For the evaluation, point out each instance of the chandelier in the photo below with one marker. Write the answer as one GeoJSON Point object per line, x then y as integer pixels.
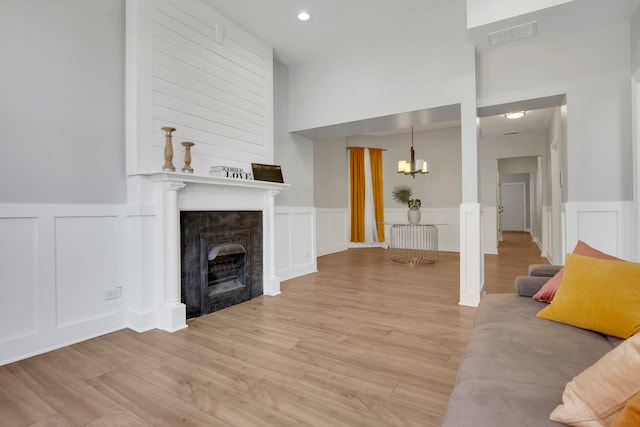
{"type": "Point", "coordinates": [413, 166]}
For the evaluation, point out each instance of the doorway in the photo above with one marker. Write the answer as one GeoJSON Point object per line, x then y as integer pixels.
{"type": "Point", "coordinates": [513, 213]}
{"type": "Point", "coordinates": [519, 195]}
{"type": "Point", "coordinates": [539, 134]}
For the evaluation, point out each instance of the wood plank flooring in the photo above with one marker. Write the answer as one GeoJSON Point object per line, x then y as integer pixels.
{"type": "Point", "coordinates": [363, 342]}
{"type": "Point", "coordinates": [516, 252]}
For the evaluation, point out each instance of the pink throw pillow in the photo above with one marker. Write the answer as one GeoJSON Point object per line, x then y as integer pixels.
{"type": "Point", "coordinates": [549, 289]}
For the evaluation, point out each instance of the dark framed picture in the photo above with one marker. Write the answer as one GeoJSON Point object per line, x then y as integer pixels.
{"type": "Point", "coordinates": [271, 173]}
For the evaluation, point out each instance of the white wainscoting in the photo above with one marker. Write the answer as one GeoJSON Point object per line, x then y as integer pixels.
{"type": "Point", "coordinates": [143, 263]}
{"type": "Point", "coordinates": [447, 220]}
{"type": "Point", "coordinates": [332, 227]}
{"type": "Point", "coordinates": [295, 235]}
{"type": "Point", "coordinates": [57, 262]}
{"type": "Point", "coordinates": [606, 226]}
{"type": "Point", "coordinates": [332, 230]}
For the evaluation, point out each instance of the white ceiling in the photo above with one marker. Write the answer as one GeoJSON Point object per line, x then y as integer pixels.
{"type": "Point", "coordinates": [335, 25]}
{"type": "Point", "coordinates": [343, 25]}
{"type": "Point", "coordinates": [339, 26]}
{"type": "Point", "coordinates": [535, 121]}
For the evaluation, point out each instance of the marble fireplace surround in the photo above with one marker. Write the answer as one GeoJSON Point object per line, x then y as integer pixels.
{"type": "Point", "coordinates": [183, 192]}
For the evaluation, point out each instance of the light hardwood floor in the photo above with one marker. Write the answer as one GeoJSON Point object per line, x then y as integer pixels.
{"type": "Point", "coordinates": [363, 342]}
{"type": "Point", "coordinates": [517, 251]}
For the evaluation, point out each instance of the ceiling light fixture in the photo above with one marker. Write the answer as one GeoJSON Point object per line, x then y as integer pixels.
{"type": "Point", "coordinates": [413, 166]}
{"type": "Point", "coordinates": [304, 16]}
{"type": "Point", "coordinates": [515, 115]}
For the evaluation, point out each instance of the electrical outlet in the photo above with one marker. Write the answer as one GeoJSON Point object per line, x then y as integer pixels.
{"type": "Point", "coordinates": [113, 293]}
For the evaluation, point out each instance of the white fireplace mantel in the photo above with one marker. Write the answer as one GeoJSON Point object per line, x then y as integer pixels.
{"type": "Point", "coordinates": [184, 192]}
{"type": "Point", "coordinates": [216, 181]}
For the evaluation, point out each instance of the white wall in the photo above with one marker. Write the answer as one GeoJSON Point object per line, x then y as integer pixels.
{"type": "Point", "coordinates": [420, 71]}
{"type": "Point", "coordinates": [331, 173]}
{"type": "Point", "coordinates": [592, 68]}
{"type": "Point", "coordinates": [556, 189]}
{"type": "Point", "coordinates": [62, 85]}
{"type": "Point", "coordinates": [190, 68]}
{"type": "Point", "coordinates": [635, 41]}
{"type": "Point", "coordinates": [505, 147]}
{"type": "Point", "coordinates": [294, 153]}
{"type": "Point", "coordinates": [442, 186]}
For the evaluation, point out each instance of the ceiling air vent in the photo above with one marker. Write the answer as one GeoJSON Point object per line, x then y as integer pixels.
{"type": "Point", "coordinates": [511, 133]}
{"type": "Point", "coordinates": [518, 32]}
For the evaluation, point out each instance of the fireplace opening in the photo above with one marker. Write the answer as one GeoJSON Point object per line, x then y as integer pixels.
{"type": "Point", "coordinates": [226, 268]}
{"type": "Point", "coordinates": [221, 259]}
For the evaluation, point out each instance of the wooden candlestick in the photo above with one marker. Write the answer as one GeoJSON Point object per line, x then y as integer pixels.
{"type": "Point", "coordinates": [187, 156]}
{"type": "Point", "coordinates": [168, 150]}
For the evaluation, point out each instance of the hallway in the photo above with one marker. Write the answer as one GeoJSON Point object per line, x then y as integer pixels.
{"type": "Point", "coordinates": [515, 253]}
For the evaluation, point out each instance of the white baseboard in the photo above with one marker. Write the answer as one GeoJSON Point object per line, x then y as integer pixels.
{"type": "Point", "coordinates": [142, 322]}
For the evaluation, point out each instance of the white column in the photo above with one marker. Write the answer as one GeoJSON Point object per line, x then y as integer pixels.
{"type": "Point", "coordinates": [271, 282]}
{"type": "Point", "coordinates": [173, 315]}
{"type": "Point", "coordinates": [471, 258]}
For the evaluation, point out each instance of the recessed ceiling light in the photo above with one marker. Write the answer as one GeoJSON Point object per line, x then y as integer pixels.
{"type": "Point", "coordinates": [515, 115]}
{"type": "Point", "coordinates": [304, 16]}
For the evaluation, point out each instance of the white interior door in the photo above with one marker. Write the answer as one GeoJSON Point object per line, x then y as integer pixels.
{"type": "Point", "coordinates": [514, 206]}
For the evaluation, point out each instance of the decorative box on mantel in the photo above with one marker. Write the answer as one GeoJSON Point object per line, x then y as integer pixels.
{"type": "Point", "coordinates": [185, 192]}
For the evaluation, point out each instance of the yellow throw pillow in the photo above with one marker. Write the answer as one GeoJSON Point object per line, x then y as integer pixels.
{"type": "Point", "coordinates": [597, 395]}
{"type": "Point", "coordinates": [597, 294]}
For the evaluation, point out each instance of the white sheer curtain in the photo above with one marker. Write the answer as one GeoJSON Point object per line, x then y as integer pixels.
{"type": "Point", "coordinates": [370, 229]}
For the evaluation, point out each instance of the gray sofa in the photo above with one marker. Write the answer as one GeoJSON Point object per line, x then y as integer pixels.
{"type": "Point", "coordinates": [516, 365]}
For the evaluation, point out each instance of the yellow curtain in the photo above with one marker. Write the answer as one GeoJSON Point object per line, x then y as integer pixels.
{"type": "Point", "coordinates": [356, 179]}
{"type": "Point", "coordinates": [375, 155]}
